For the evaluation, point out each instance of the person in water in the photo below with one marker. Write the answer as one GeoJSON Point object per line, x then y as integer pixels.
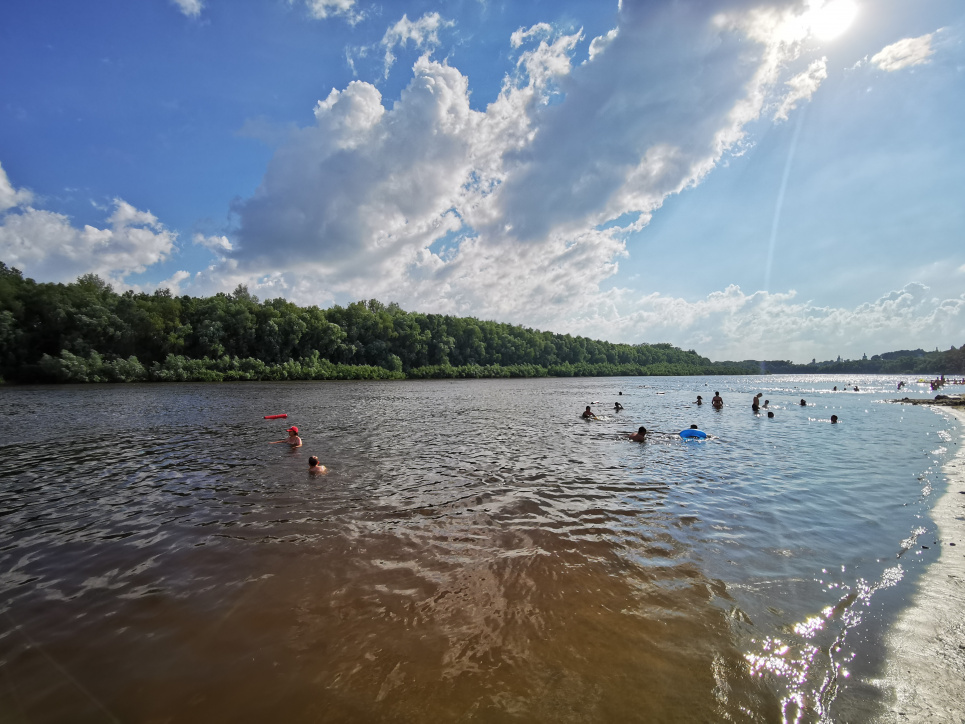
{"type": "Point", "coordinates": [756, 401]}
{"type": "Point", "coordinates": [718, 401]}
{"type": "Point", "coordinates": [803, 402]}
{"type": "Point", "coordinates": [700, 400]}
{"type": "Point", "coordinates": [314, 467]}
{"type": "Point", "coordinates": [834, 419]}
{"type": "Point", "coordinates": [588, 413]}
{"type": "Point", "coordinates": [617, 407]}
{"type": "Point", "coordinates": [766, 403]}
{"type": "Point", "coordinates": [640, 435]}
{"type": "Point", "coordinates": [769, 413]}
{"type": "Point", "coordinates": [293, 440]}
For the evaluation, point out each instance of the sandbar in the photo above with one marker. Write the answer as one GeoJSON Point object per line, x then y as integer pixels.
{"type": "Point", "coordinates": [925, 675]}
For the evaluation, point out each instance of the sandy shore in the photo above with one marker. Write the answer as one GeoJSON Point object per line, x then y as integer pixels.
{"type": "Point", "coordinates": [925, 676]}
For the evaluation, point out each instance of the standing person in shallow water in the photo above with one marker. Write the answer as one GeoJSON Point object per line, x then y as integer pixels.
{"type": "Point", "coordinates": [718, 401]}
{"type": "Point", "coordinates": [293, 440]}
{"type": "Point", "coordinates": [756, 401]}
{"type": "Point", "coordinates": [588, 413]}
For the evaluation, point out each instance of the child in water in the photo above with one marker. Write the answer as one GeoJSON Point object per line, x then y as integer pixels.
{"type": "Point", "coordinates": [314, 467]}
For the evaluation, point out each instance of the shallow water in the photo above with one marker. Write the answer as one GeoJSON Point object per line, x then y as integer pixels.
{"type": "Point", "coordinates": [476, 552]}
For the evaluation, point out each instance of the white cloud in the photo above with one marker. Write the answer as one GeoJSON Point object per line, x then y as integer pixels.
{"type": "Point", "coordinates": [732, 325]}
{"type": "Point", "coordinates": [904, 54]}
{"type": "Point", "coordinates": [191, 8]}
{"type": "Point", "coordinates": [521, 211]}
{"type": "Point", "coordinates": [322, 9]}
{"type": "Point", "coordinates": [218, 244]}
{"type": "Point", "coordinates": [802, 87]}
{"type": "Point", "coordinates": [423, 33]}
{"type": "Point", "coordinates": [9, 196]}
{"type": "Point", "coordinates": [540, 30]}
{"type": "Point", "coordinates": [45, 245]}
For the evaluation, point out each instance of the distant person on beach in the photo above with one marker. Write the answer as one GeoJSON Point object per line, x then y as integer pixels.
{"type": "Point", "coordinates": [640, 435]}
{"type": "Point", "coordinates": [770, 414]}
{"type": "Point", "coordinates": [617, 407]}
{"type": "Point", "coordinates": [588, 413]}
{"type": "Point", "coordinates": [700, 400]}
{"type": "Point", "coordinates": [314, 467]}
{"type": "Point", "coordinates": [834, 419]}
{"type": "Point", "coordinates": [803, 402]}
{"type": "Point", "coordinates": [718, 401]}
{"type": "Point", "coordinates": [292, 438]}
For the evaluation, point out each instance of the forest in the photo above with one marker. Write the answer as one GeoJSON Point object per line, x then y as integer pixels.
{"type": "Point", "coordinates": [900, 362]}
{"type": "Point", "coordinates": [85, 332]}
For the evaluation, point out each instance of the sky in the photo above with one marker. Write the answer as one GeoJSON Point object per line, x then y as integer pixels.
{"type": "Point", "coordinates": [750, 179]}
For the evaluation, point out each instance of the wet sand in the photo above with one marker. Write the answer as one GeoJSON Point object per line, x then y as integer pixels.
{"type": "Point", "coordinates": [926, 652]}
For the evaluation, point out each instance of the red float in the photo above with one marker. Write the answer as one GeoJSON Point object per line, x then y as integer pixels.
{"type": "Point", "coordinates": [275, 417]}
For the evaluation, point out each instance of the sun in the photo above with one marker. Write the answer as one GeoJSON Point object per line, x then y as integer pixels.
{"type": "Point", "coordinates": [831, 18]}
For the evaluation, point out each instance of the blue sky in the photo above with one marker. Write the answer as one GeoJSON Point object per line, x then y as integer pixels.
{"type": "Point", "coordinates": [750, 179]}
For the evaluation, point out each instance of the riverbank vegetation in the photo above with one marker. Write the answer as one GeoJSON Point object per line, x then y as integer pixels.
{"type": "Point", "coordinates": [85, 332]}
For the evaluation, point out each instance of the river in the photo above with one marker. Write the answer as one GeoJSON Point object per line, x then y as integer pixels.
{"type": "Point", "coordinates": [476, 552]}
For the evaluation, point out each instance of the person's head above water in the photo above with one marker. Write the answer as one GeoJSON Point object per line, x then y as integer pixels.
{"type": "Point", "coordinates": [312, 461]}
{"type": "Point", "coordinates": [693, 427]}
{"type": "Point", "coordinates": [834, 419]}
{"type": "Point", "coordinates": [293, 430]}
{"type": "Point", "coordinates": [770, 414]}
{"type": "Point", "coordinates": [641, 430]}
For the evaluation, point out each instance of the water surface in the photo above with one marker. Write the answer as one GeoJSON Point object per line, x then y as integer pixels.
{"type": "Point", "coordinates": [477, 552]}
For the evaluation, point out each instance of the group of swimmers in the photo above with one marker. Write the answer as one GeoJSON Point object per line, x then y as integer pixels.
{"type": "Point", "coordinates": [293, 441]}
{"type": "Point", "coordinates": [717, 402]}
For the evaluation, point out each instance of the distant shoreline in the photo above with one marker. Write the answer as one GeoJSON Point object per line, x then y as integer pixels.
{"type": "Point", "coordinates": [926, 649]}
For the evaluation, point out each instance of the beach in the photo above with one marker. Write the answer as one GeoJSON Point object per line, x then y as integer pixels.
{"type": "Point", "coordinates": [926, 658]}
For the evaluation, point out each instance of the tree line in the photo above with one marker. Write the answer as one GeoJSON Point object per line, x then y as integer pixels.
{"type": "Point", "coordinates": [86, 332]}
{"type": "Point", "coordinates": [899, 362]}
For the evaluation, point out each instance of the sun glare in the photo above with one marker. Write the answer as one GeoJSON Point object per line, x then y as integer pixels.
{"type": "Point", "coordinates": [830, 19]}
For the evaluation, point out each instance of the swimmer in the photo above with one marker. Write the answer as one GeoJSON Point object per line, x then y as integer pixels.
{"type": "Point", "coordinates": [314, 467]}
{"type": "Point", "coordinates": [588, 413]}
{"type": "Point", "coordinates": [835, 389]}
{"type": "Point", "coordinates": [700, 400]}
{"type": "Point", "coordinates": [770, 414]}
{"type": "Point", "coordinates": [766, 403]}
{"type": "Point", "coordinates": [617, 407]}
{"type": "Point", "coordinates": [834, 419]}
{"type": "Point", "coordinates": [718, 401]}
{"type": "Point", "coordinates": [694, 427]}
{"type": "Point", "coordinates": [855, 388]}
{"type": "Point", "coordinates": [640, 435]}
{"type": "Point", "coordinates": [292, 438]}
{"type": "Point", "coordinates": [803, 402]}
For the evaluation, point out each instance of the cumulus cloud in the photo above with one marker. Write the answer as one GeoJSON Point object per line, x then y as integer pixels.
{"type": "Point", "coordinates": [191, 8]}
{"type": "Point", "coordinates": [45, 245]}
{"type": "Point", "coordinates": [520, 211]}
{"type": "Point", "coordinates": [423, 34]}
{"type": "Point", "coordinates": [9, 196]}
{"type": "Point", "coordinates": [904, 54]}
{"type": "Point", "coordinates": [730, 324]}
{"type": "Point", "coordinates": [218, 244]}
